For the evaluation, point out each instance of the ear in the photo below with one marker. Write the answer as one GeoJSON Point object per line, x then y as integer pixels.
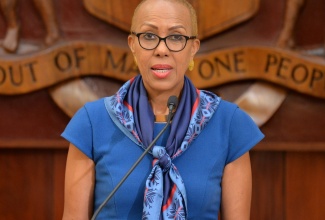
{"type": "Point", "coordinates": [131, 42]}
{"type": "Point", "coordinates": [195, 47]}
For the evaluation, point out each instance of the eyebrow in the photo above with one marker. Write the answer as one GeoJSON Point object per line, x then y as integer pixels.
{"type": "Point", "coordinates": [171, 28]}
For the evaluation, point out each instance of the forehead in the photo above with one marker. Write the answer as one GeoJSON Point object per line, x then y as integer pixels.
{"type": "Point", "coordinates": [162, 14]}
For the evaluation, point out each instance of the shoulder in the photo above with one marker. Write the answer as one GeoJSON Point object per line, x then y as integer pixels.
{"type": "Point", "coordinates": [223, 110]}
{"type": "Point", "coordinates": [85, 116]}
{"type": "Point", "coordinates": [232, 109]}
{"type": "Point", "coordinates": [92, 112]}
{"type": "Point", "coordinates": [226, 110]}
{"type": "Point", "coordinates": [234, 114]}
{"type": "Point", "coordinates": [228, 106]}
{"type": "Point", "coordinates": [223, 105]}
{"type": "Point", "coordinates": [96, 107]}
{"type": "Point", "coordinates": [231, 118]}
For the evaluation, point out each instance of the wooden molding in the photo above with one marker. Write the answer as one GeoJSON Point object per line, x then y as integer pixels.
{"type": "Point", "coordinates": [33, 144]}
{"type": "Point", "coordinates": [43, 144]}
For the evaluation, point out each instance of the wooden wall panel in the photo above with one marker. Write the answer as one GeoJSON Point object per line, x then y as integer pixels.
{"type": "Point", "coordinates": [31, 184]}
{"type": "Point", "coordinates": [58, 187]}
{"type": "Point", "coordinates": [286, 185]}
{"type": "Point", "coordinates": [26, 181]}
{"type": "Point", "coordinates": [33, 117]}
{"type": "Point", "coordinates": [305, 186]}
{"type": "Point", "coordinates": [268, 185]}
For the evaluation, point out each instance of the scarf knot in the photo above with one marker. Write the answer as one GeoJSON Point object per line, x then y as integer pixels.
{"type": "Point", "coordinates": [164, 159]}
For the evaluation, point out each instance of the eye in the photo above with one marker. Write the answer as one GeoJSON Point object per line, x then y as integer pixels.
{"type": "Point", "coordinates": [176, 37]}
{"type": "Point", "coordinates": [149, 36]}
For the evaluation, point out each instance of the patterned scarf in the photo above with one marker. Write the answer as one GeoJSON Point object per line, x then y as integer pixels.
{"type": "Point", "coordinates": [165, 195]}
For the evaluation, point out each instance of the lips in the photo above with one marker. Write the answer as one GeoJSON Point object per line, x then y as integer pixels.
{"type": "Point", "coordinates": [161, 70]}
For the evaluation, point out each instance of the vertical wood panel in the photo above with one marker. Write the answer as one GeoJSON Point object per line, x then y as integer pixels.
{"type": "Point", "coordinates": [60, 158]}
{"type": "Point", "coordinates": [305, 186]}
{"type": "Point", "coordinates": [26, 184]}
{"type": "Point", "coordinates": [268, 185]}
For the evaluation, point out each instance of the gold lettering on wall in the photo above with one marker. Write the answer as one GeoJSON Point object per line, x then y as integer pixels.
{"type": "Point", "coordinates": [24, 74]}
{"type": "Point", "coordinates": [288, 69]}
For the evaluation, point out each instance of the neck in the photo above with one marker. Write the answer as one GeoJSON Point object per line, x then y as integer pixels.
{"type": "Point", "coordinates": [160, 118]}
{"type": "Point", "coordinates": [158, 100]}
{"type": "Point", "coordinates": [159, 105]}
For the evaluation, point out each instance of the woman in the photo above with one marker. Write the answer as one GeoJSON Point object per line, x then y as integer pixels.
{"type": "Point", "coordinates": [200, 163]}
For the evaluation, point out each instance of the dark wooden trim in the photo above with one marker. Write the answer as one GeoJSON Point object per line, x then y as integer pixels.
{"type": "Point", "coordinates": [33, 144]}
{"type": "Point", "coordinates": [63, 144]}
{"type": "Point", "coordinates": [290, 146]}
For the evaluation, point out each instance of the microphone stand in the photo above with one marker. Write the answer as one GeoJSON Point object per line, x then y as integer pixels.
{"type": "Point", "coordinates": [171, 106]}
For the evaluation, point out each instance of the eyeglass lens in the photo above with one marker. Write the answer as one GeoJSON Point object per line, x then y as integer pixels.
{"type": "Point", "coordinates": [173, 42]}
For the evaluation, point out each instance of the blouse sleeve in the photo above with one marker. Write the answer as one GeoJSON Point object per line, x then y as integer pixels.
{"type": "Point", "coordinates": [244, 134]}
{"type": "Point", "coordinates": [79, 132]}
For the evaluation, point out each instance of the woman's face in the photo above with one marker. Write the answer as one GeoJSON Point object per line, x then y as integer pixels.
{"type": "Point", "coordinates": [163, 70]}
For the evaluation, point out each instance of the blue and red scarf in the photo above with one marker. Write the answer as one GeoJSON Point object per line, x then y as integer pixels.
{"type": "Point", "coordinates": [165, 194]}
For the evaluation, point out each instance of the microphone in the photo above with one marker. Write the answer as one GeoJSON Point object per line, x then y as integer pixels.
{"type": "Point", "coordinates": [172, 105]}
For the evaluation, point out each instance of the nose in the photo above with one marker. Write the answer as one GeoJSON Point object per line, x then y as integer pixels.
{"type": "Point", "coordinates": [162, 49]}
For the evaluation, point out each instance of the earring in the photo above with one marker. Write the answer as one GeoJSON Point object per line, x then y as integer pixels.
{"type": "Point", "coordinates": [191, 65]}
{"type": "Point", "coordinates": [135, 62]}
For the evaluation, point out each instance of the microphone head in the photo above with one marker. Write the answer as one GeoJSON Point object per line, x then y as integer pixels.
{"type": "Point", "coordinates": [172, 102]}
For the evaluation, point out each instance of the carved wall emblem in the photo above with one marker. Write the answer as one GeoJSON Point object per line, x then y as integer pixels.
{"type": "Point", "coordinates": [119, 13]}
{"type": "Point", "coordinates": [65, 62]}
{"type": "Point", "coordinates": [45, 8]}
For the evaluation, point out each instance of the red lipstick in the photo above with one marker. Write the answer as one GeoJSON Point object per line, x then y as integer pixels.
{"type": "Point", "coordinates": [161, 70]}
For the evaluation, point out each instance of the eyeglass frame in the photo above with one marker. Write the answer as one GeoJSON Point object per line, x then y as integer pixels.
{"type": "Point", "coordinates": [164, 39]}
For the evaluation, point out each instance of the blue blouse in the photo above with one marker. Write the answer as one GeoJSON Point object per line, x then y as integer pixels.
{"type": "Point", "coordinates": [229, 134]}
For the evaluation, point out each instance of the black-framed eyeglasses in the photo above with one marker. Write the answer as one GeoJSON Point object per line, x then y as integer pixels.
{"type": "Point", "coordinates": [174, 42]}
